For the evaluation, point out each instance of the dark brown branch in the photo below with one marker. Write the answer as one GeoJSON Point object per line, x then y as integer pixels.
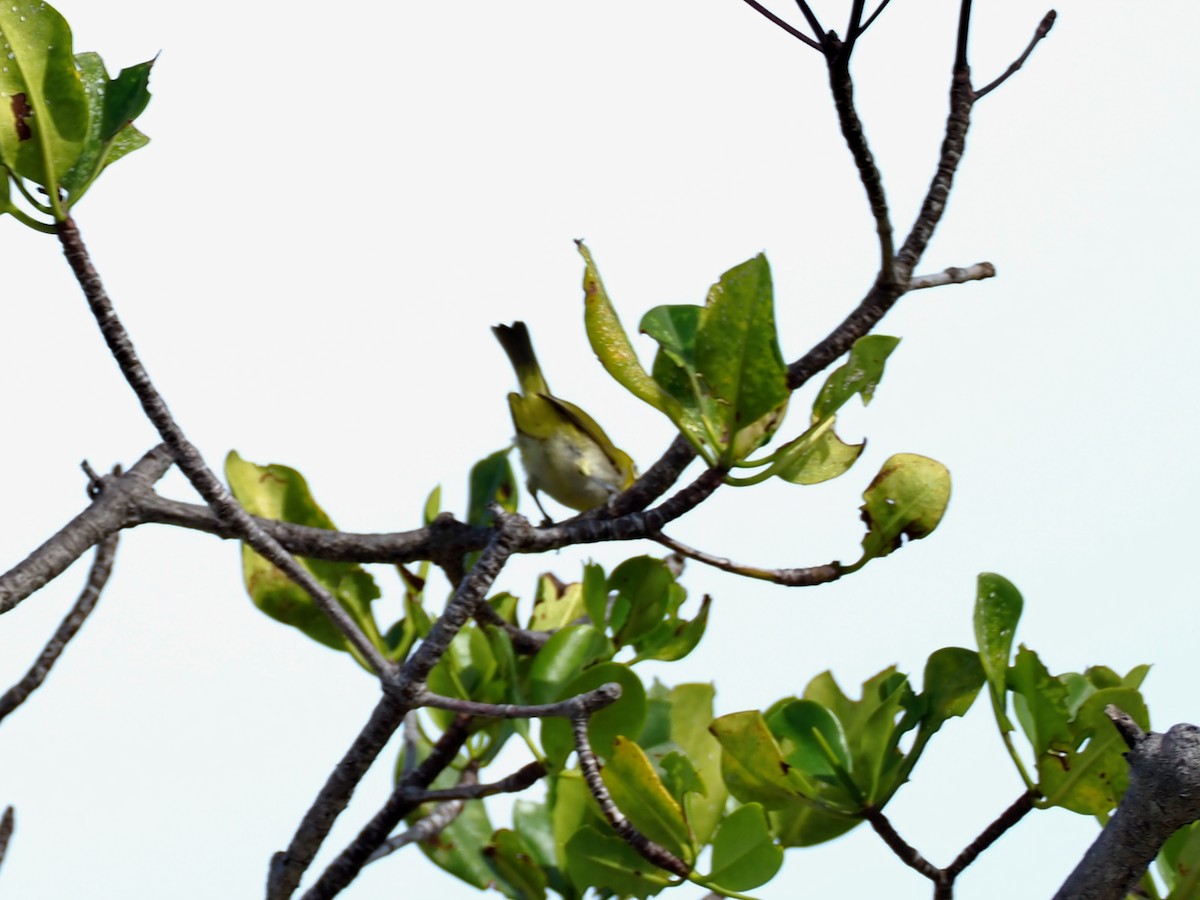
{"type": "Point", "coordinates": [631, 526]}
{"type": "Point", "coordinates": [188, 457]}
{"type": "Point", "coordinates": [953, 275]}
{"type": "Point", "coordinates": [7, 823]}
{"type": "Point", "coordinates": [649, 850]}
{"type": "Point", "coordinates": [350, 861]}
{"type": "Point", "coordinates": [1043, 29]}
{"type": "Point", "coordinates": [805, 577]}
{"type": "Point", "coordinates": [67, 629]}
{"type": "Point", "coordinates": [842, 87]}
{"type": "Point", "coordinates": [903, 850]}
{"type": "Point", "coordinates": [1006, 820]}
{"type": "Point", "coordinates": [811, 18]}
{"type": "Point", "coordinates": [110, 511]}
{"type": "Point", "coordinates": [657, 480]}
{"type": "Point", "coordinates": [875, 15]}
{"type": "Point", "coordinates": [794, 32]}
{"type": "Point", "coordinates": [961, 63]}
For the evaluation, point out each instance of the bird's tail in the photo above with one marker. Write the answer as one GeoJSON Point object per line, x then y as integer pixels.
{"type": "Point", "coordinates": [516, 343]}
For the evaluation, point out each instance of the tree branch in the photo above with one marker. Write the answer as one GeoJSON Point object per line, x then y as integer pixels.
{"type": "Point", "coordinates": [805, 577]}
{"type": "Point", "coordinates": [188, 458]}
{"type": "Point", "coordinates": [905, 851]}
{"type": "Point", "coordinates": [586, 703]}
{"type": "Point", "coordinates": [953, 275]}
{"type": "Point", "coordinates": [649, 850]}
{"type": "Point", "coordinates": [520, 780]}
{"type": "Point", "coordinates": [350, 861]}
{"type": "Point", "coordinates": [7, 823]}
{"type": "Point", "coordinates": [794, 32]}
{"type": "Point", "coordinates": [110, 511]}
{"type": "Point", "coordinates": [67, 629]}
{"type": "Point", "coordinates": [1006, 820]}
{"type": "Point", "coordinates": [1163, 796]}
{"type": "Point", "coordinates": [1043, 29]}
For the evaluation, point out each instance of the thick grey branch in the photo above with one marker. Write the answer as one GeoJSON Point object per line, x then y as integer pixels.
{"type": "Point", "coordinates": [113, 509]}
{"type": "Point", "coordinates": [97, 578]}
{"type": "Point", "coordinates": [1163, 796]}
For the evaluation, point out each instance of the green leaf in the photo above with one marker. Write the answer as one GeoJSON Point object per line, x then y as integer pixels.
{"type": "Point", "coordinates": [278, 492]}
{"type": "Point", "coordinates": [744, 854]}
{"type": "Point", "coordinates": [595, 594]}
{"type": "Point", "coordinates": [859, 374]}
{"type": "Point", "coordinates": [624, 718]}
{"type": "Point", "coordinates": [556, 605]}
{"type": "Point", "coordinates": [674, 638]}
{"type": "Point", "coordinates": [639, 793]}
{"type": "Point", "coordinates": [642, 586]}
{"type": "Point", "coordinates": [907, 499]}
{"type": "Point", "coordinates": [604, 861]}
{"type": "Point", "coordinates": [39, 78]}
{"type": "Point", "coordinates": [818, 744]}
{"type": "Point", "coordinates": [572, 807]}
{"type": "Point", "coordinates": [1041, 703]}
{"type": "Point", "coordinates": [609, 340]}
{"type": "Point", "coordinates": [112, 107]}
{"type": "Point", "coordinates": [691, 714]}
{"type": "Point", "coordinates": [1088, 774]}
{"type": "Point", "coordinates": [752, 763]}
{"type": "Point", "coordinates": [739, 360]}
{"type": "Point", "coordinates": [560, 660]}
{"type": "Point", "coordinates": [513, 862]}
{"type": "Point", "coordinates": [998, 607]}
{"type": "Point", "coordinates": [1179, 863]}
{"type": "Point", "coordinates": [953, 677]}
{"type": "Point", "coordinates": [458, 849]}
{"type": "Point", "coordinates": [675, 329]}
{"type": "Point", "coordinates": [819, 454]}
{"type": "Point", "coordinates": [491, 481]}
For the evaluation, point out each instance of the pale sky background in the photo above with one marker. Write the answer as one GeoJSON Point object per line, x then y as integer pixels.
{"type": "Point", "coordinates": [338, 203]}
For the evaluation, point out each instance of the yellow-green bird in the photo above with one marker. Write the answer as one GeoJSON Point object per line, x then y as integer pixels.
{"type": "Point", "coordinates": [565, 453]}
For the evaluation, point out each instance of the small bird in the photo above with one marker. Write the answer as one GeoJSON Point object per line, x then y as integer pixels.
{"type": "Point", "coordinates": [565, 453]}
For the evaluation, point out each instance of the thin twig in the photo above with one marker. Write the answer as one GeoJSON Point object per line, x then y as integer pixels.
{"type": "Point", "coordinates": [992, 833]}
{"type": "Point", "coordinates": [524, 640]}
{"type": "Point", "coordinates": [520, 780]}
{"type": "Point", "coordinates": [588, 703]}
{"type": "Point", "coordinates": [7, 823]}
{"type": "Point", "coordinates": [794, 32]}
{"type": "Point", "coordinates": [873, 17]}
{"type": "Point", "coordinates": [854, 26]}
{"type": "Point", "coordinates": [953, 275]}
{"type": "Point", "coordinates": [67, 629]}
{"type": "Point", "coordinates": [1043, 29]}
{"type": "Point", "coordinates": [429, 826]}
{"type": "Point", "coordinates": [805, 577]}
{"type": "Point", "coordinates": [649, 850]}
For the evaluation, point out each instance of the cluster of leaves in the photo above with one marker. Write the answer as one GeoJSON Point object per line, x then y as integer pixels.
{"type": "Point", "coordinates": [720, 378]}
{"type": "Point", "coordinates": [62, 119]}
{"type": "Point", "coordinates": [744, 785]}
